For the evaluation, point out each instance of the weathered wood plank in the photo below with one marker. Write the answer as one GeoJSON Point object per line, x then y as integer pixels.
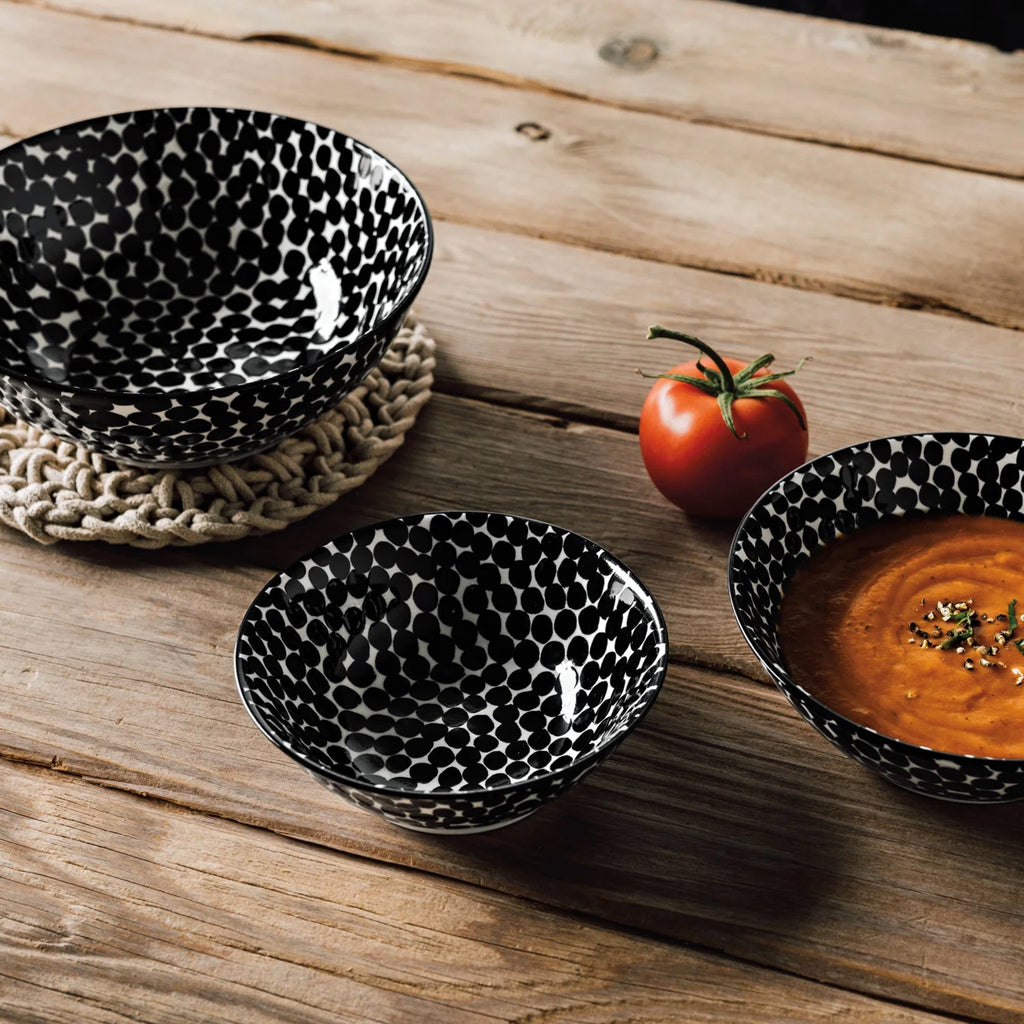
{"type": "Point", "coordinates": [560, 329]}
{"type": "Point", "coordinates": [903, 93]}
{"type": "Point", "coordinates": [813, 217]}
{"type": "Point", "coordinates": [117, 908]}
{"type": "Point", "coordinates": [724, 821]}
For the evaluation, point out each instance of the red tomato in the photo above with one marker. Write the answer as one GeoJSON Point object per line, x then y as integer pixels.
{"type": "Point", "coordinates": [697, 462]}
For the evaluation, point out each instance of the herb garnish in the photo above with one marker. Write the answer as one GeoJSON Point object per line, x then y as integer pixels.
{"type": "Point", "coordinates": [965, 621]}
{"type": "Point", "coordinates": [961, 615]}
{"type": "Point", "coordinates": [957, 639]}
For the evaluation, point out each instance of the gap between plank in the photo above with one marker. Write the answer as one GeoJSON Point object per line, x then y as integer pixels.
{"type": "Point", "coordinates": [558, 415]}
{"type": "Point", "coordinates": [870, 295]}
{"type": "Point", "coordinates": [494, 77]}
{"type": "Point", "coordinates": [36, 767]}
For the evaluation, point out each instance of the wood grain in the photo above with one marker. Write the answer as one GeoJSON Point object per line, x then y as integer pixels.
{"type": "Point", "coordinates": [902, 93]}
{"type": "Point", "coordinates": [571, 348]}
{"type": "Point", "coordinates": [813, 217]}
{"type": "Point", "coordinates": [724, 821]}
{"type": "Point", "coordinates": [118, 908]}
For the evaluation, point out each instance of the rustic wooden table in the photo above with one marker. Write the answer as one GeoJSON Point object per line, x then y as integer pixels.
{"type": "Point", "coordinates": [767, 181]}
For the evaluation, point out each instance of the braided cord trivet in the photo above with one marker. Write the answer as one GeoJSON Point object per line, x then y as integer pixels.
{"type": "Point", "coordinates": [53, 490]}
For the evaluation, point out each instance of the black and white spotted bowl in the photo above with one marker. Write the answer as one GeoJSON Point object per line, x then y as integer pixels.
{"type": "Point", "coordinates": [973, 474]}
{"type": "Point", "coordinates": [453, 671]}
{"type": "Point", "coordinates": [188, 286]}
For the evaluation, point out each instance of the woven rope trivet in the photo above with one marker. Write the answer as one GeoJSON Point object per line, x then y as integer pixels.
{"type": "Point", "coordinates": [53, 490]}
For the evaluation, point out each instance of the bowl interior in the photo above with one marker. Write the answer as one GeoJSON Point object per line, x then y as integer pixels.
{"type": "Point", "coordinates": [974, 474]}
{"type": "Point", "coordinates": [451, 652]}
{"type": "Point", "coordinates": [196, 248]}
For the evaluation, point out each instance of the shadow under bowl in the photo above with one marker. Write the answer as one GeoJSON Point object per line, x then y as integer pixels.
{"type": "Point", "coordinates": [455, 670]}
{"type": "Point", "coordinates": [186, 286]}
{"type": "Point", "coordinates": [837, 493]}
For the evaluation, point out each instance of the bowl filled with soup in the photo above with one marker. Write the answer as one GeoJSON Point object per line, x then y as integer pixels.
{"type": "Point", "coordinates": [881, 586]}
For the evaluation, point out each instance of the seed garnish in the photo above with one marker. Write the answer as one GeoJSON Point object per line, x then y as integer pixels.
{"type": "Point", "coordinates": [965, 621]}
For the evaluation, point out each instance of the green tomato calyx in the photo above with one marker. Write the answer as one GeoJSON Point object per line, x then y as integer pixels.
{"type": "Point", "coordinates": [721, 383]}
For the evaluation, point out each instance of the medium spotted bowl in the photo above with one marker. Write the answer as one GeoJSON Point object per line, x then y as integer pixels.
{"type": "Point", "coordinates": [188, 286]}
{"type": "Point", "coordinates": [974, 474]}
{"type": "Point", "coordinates": [453, 671]}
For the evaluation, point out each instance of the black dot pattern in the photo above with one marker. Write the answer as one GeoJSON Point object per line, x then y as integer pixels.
{"type": "Point", "coordinates": [972, 474]}
{"type": "Point", "coordinates": [453, 670]}
{"type": "Point", "coordinates": [185, 286]}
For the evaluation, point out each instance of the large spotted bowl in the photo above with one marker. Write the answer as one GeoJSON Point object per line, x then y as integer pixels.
{"type": "Point", "coordinates": [188, 286]}
{"type": "Point", "coordinates": [972, 474]}
{"type": "Point", "coordinates": [453, 671]}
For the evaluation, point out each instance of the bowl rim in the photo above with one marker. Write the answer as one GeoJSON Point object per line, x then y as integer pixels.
{"type": "Point", "coordinates": [603, 748]}
{"type": "Point", "coordinates": [787, 679]}
{"type": "Point", "coordinates": [43, 384]}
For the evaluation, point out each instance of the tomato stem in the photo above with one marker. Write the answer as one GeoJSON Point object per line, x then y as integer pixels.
{"type": "Point", "coordinates": [657, 331]}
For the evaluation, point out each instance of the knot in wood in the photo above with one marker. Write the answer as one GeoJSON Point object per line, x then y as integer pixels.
{"type": "Point", "coordinates": [533, 131]}
{"type": "Point", "coordinates": [630, 53]}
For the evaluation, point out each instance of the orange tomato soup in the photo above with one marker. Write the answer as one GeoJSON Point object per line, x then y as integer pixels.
{"type": "Point", "coordinates": [904, 626]}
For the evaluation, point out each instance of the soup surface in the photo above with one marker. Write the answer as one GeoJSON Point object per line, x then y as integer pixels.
{"type": "Point", "coordinates": [909, 627]}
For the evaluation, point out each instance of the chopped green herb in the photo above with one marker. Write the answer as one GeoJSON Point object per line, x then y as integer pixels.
{"type": "Point", "coordinates": [1012, 615]}
{"type": "Point", "coordinates": [955, 639]}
